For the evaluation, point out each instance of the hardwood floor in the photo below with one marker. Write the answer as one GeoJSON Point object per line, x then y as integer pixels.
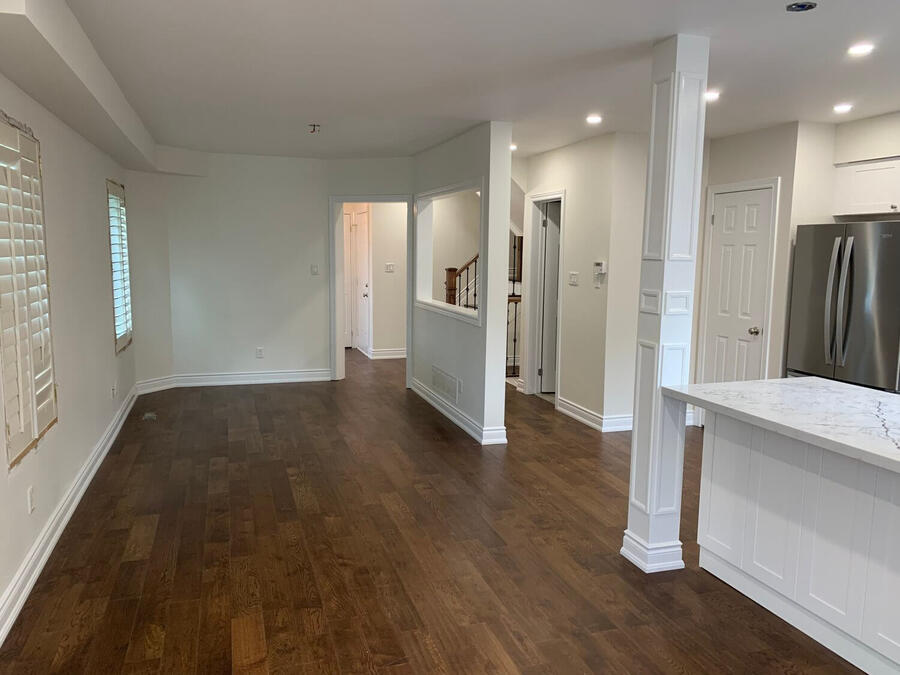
{"type": "Point", "coordinates": [348, 527]}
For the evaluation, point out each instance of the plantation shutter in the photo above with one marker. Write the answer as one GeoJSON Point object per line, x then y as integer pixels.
{"type": "Point", "coordinates": [26, 355]}
{"type": "Point", "coordinates": [121, 273]}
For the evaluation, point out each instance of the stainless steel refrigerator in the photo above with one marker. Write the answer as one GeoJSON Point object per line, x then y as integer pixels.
{"type": "Point", "coordinates": [845, 303]}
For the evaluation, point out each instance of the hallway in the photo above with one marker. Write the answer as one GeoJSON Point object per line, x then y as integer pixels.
{"type": "Point", "coordinates": [350, 527]}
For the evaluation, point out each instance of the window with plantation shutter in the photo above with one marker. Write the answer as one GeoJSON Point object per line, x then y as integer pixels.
{"type": "Point", "coordinates": [26, 354]}
{"type": "Point", "coordinates": [121, 274]}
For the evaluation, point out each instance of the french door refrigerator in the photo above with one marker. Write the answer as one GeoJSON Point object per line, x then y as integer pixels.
{"type": "Point", "coordinates": [845, 303]}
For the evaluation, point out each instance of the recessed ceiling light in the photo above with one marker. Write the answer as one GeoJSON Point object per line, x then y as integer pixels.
{"type": "Point", "coordinates": [861, 49]}
{"type": "Point", "coordinates": [801, 6]}
{"type": "Point", "coordinates": [513, 147]}
{"type": "Point", "coordinates": [594, 118]}
{"type": "Point", "coordinates": [842, 108]}
{"type": "Point", "coordinates": [711, 95]}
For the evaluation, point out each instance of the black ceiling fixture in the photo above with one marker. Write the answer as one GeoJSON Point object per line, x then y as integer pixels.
{"type": "Point", "coordinates": [801, 6]}
{"type": "Point", "coordinates": [314, 128]}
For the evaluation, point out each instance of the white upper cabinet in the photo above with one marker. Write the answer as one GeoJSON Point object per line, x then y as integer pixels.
{"type": "Point", "coordinates": [869, 187]}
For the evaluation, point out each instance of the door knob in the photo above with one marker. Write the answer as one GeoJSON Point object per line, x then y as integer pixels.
{"type": "Point", "coordinates": [754, 330]}
{"type": "Point", "coordinates": [366, 295]}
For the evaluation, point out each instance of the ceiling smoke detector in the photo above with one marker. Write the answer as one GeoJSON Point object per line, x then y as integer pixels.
{"type": "Point", "coordinates": [801, 6]}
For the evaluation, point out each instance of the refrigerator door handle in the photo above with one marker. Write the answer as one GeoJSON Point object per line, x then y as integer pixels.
{"type": "Point", "coordinates": [829, 291]}
{"type": "Point", "coordinates": [842, 296]}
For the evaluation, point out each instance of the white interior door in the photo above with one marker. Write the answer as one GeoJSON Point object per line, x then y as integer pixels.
{"type": "Point", "coordinates": [737, 285]}
{"type": "Point", "coordinates": [361, 234]}
{"type": "Point", "coordinates": [348, 280]}
{"type": "Point", "coordinates": [550, 299]}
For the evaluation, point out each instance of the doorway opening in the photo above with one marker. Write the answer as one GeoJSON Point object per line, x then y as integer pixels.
{"type": "Point", "coordinates": [542, 302]}
{"type": "Point", "coordinates": [548, 301]}
{"type": "Point", "coordinates": [370, 280]}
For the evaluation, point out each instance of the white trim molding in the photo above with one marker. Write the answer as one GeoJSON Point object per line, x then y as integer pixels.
{"type": "Point", "coordinates": [605, 423]}
{"type": "Point", "coordinates": [223, 379]}
{"type": "Point", "coordinates": [15, 594]}
{"type": "Point", "coordinates": [390, 353]}
{"type": "Point", "coordinates": [532, 282]}
{"type": "Point", "coordinates": [580, 413]}
{"type": "Point", "coordinates": [484, 435]}
{"type": "Point", "coordinates": [652, 558]}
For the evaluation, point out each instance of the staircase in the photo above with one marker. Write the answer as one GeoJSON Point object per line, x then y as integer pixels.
{"type": "Point", "coordinates": [462, 284]}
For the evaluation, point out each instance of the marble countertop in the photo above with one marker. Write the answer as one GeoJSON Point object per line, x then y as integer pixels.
{"type": "Point", "coordinates": [854, 421]}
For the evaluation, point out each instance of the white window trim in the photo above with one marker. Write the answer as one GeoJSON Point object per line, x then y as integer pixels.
{"type": "Point", "coordinates": [18, 145]}
{"type": "Point", "coordinates": [123, 340]}
{"type": "Point", "coordinates": [423, 298]}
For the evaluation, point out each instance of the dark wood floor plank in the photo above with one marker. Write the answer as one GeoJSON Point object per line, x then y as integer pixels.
{"type": "Point", "coordinates": [348, 527]}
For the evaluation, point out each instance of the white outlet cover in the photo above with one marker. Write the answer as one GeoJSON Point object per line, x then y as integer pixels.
{"type": "Point", "coordinates": [314, 270]}
{"type": "Point", "coordinates": [573, 278]}
{"type": "Point", "coordinates": [259, 352]}
{"type": "Point", "coordinates": [389, 268]}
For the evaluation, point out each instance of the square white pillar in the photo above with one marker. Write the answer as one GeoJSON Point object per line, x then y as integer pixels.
{"type": "Point", "coordinates": [666, 301]}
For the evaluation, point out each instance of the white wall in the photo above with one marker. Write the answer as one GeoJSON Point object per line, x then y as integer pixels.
{"type": "Point", "coordinates": [475, 354]}
{"type": "Point", "coordinates": [240, 243]}
{"type": "Point", "coordinates": [870, 138]}
{"type": "Point", "coordinates": [584, 170]}
{"type": "Point", "coordinates": [456, 233]}
{"type": "Point", "coordinates": [624, 279]}
{"type": "Point", "coordinates": [388, 234]}
{"type": "Point", "coordinates": [604, 183]}
{"type": "Point", "coordinates": [814, 176]}
{"type": "Point", "coordinates": [74, 174]}
{"type": "Point", "coordinates": [765, 153]}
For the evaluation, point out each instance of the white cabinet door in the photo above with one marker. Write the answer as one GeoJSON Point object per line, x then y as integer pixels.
{"type": "Point", "coordinates": [870, 187]}
{"type": "Point", "coordinates": [774, 507]}
{"type": "Point", "coordinates": [838, 498]}
{"type": "Point", "coordinates": [723, 492]}
{"type": "Point", "coordinates": [881, 626]}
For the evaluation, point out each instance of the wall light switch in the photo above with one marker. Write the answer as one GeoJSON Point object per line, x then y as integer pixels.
{"type": "Point", "coordinates": [599, 273]}
{"type": "Point", "coordinates": [573, 278]}
{"type": "Point", "coordinates": [314, 270]}
{"type": "Point", "coordinates": [389, 268]}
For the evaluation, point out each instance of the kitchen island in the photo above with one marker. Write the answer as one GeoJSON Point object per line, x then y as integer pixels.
{"type": "Point", "coordinates": [800, 506]}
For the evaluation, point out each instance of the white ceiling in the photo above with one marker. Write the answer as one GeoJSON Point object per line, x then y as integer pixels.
{"type": "Point", "coordinates": [396, 76]}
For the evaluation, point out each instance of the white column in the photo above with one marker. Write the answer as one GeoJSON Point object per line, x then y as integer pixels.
{"type": "Point", "coordinates": [666, 301]}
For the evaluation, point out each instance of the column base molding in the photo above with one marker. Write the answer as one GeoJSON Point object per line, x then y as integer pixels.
{"type": "Point", "coordinates": [651, 558]}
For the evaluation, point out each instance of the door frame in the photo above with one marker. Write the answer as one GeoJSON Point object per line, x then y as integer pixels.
{"type": "Point", "coordinates": [532, 282]}
{"type": "Point", "coordinates": [355, 262]}
{"type": "Point", "coordinates": [336, 358]}
{"type": "Point", "coordinates": [742, 186]}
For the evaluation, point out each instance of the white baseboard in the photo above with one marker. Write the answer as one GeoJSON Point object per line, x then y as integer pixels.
{"type": "Point", "coordinates": [15, 594]}
{"type": "Point", "coordinates": [651, 558]}
{"type": "Point", "coordinates": [603, 422]}
{"type": "Point", "coordinates": [617, 423]}
{"type": "Point", "coordinates": [222, 379]}
{"type": "Point", "coordinates": [396, 353]}
{"type": "Point", "coordinates": [580, 413]}
{"type": "Point", "coordinates": [484, 435]}
{"type": "Point", "coordinates": [841, 643]}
